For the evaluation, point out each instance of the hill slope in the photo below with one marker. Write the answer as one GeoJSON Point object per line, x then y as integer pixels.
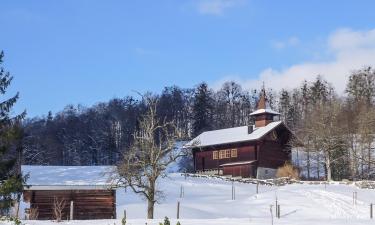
{"type": "Point", "coordinates": [208, 201]}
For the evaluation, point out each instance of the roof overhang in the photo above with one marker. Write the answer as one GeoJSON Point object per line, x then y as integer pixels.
{"type": "Point", "coordinates": [264, 111]}
{"type": "Point", "coordinates": [238, 163]}
{"type": "Point", "coordinates": [67, 187]}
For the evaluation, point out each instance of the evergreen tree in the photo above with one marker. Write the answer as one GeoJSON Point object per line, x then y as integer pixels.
{"type": "Point", "coordinates": [202, 109]}
{"type": "Point", "coordinates": [11, 181]}
{"type": "Point", "coordinates": [361, 85]}
{"type": "Point", "coordinates": [319, 91]}
{"type": "Point", "coordinates": [284, 106]}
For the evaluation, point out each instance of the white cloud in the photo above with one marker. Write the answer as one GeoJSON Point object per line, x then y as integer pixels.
{"type": "Point", "coordinates": [216, 7]}
{"type": "Point", "coordinates": [351, 50]}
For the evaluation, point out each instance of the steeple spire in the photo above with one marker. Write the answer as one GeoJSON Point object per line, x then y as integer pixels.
{"type": "Point", "coordinates": [262, 103]}
{"type": "Point", "coordinates": [263, 115]}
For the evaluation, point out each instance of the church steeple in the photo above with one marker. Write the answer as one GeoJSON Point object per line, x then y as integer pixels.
{"type": "Point", "coordinates": [262, 103]}
{"type": "Point", "coordinates": [264, 114]}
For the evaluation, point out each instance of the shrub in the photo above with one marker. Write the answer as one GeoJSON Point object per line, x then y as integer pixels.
{"type": "Point", "coordinates": [15, 220]}
{"type": "Point", "coordinates": [166, 221]}
{"type": "Point", "coordinates": [288, 170]}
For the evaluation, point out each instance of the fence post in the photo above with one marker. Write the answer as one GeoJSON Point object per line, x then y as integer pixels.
{"type": "Point", "coordinates": [354, 198]}
{"type": "Point", "coordinates": [276, 207]}
{"type": "Point", "coordinates": [178, 210]}
{"type": "Point", "coordinates": [71, 210]}
{"type": "Point", "coordinates": [371, 211]}
{"type": "Point", "coordinates": [232, 190]}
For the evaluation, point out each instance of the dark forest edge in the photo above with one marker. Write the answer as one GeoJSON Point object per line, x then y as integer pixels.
{"type": "Point", "coordinates": [337, 130]}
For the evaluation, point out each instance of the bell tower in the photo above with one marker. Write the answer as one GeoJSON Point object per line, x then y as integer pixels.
{"type": "Point", "coordinates": [264, 114]}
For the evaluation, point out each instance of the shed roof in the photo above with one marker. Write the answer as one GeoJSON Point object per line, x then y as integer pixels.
{"type": "Point", "coordinates": [231, 135]}
{"type": "Point", "coordinates": [69, 177]}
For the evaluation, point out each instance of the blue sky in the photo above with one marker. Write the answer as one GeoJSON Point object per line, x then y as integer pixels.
{"type": "Point", "coordinates": [85, 51]}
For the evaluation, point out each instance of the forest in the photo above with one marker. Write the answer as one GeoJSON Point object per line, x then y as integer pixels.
{"type": "Point", "coordinates": [336, 130]}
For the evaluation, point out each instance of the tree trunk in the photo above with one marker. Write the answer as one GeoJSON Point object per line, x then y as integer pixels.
{"type": "Point", "coordinates": [308, 164]}
{"type": "Point", "coordinates": [328, 166]}
{"type": "Point", "coordinates": [318, 165]}
{"type": "Point", "coordinates": [369, 161]}
{"type": "Point", "coordinates": [150, 209]}
{"type": "Point", "coordinates": [151, 198]}
{"type": "Point", "coordinates": [362, 162]}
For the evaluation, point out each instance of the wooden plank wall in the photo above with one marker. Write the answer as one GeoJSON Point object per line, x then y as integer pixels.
{"type": "Point", "coordinates": [240, 171]}
{"type": "Point", "coordinates": [88, 204]}
{"type": "Point", "coordinates": [269, 152]}
{"type": "Point", "coordinates": [245, 152]}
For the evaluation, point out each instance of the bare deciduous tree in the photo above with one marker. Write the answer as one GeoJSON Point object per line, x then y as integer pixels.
{"type": "Point", "coordinates": [148, 157]}
{"type": "Point", "coordinates": [58, 208]}
{"type": "Point", "coordinates": [33, 214]}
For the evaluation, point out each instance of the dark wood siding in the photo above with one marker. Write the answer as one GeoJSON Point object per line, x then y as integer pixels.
{"type": "Point", "coordinates": [88, 204]}
{"type": "Point", "coordinates": [245, 152]}
{"type": "Point", "coordinates": [240, 170]}
{"type": "Point", "coordinates": [273, 153]}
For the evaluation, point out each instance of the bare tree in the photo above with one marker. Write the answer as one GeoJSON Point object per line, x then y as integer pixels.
{"type": "Point", "coordinates": [58, 208]}
{"type": "Point", "coordinates": [324, 130]}
{"type": "Point", "coordinates": [33, 214]}
{"type": "Point", "coordinates": [148, 157]}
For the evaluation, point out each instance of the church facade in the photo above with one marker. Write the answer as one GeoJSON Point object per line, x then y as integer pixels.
{"type": "Point", "coordinates": [248, 151]}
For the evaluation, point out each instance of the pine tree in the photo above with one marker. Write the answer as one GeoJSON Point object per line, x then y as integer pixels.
{"type": "Point", "coordinates": [11, 181]}
{"type": "Point", "coordinates": [202, 109]}
{"type": "Point", "coordinates": [284, 105]}
{"type": "Point", "coordinates": [361, 85]}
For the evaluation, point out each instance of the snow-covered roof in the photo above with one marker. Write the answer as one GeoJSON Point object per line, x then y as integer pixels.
{"type": "Point", "coordinates": [231, 135]}
{"type": "Point", "coordinates": [261, 111]}
{"type": "Point", "coordinates": [68, 177]}
{"type": "Point", "coordinates": [238, 163]}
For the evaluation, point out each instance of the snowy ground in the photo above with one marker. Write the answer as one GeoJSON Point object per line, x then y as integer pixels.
{"type": "Point", "coordinates": [208, 201]}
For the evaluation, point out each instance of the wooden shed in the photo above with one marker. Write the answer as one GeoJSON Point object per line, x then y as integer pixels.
{"type": "Point", "coordinates": [86, 192]}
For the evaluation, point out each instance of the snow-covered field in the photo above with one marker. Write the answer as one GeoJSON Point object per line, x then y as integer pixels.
{"type": "Point", "coordinates": [208, 201]}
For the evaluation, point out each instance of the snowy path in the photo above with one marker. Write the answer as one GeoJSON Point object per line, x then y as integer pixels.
{"type": "Point", "coordinates": [337, 205]}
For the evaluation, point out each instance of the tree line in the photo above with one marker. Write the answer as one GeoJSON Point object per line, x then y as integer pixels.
{"type": "Point", "coordinates": [98, 135]}
{"type": "Point", "coordinates": [336, 130]}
